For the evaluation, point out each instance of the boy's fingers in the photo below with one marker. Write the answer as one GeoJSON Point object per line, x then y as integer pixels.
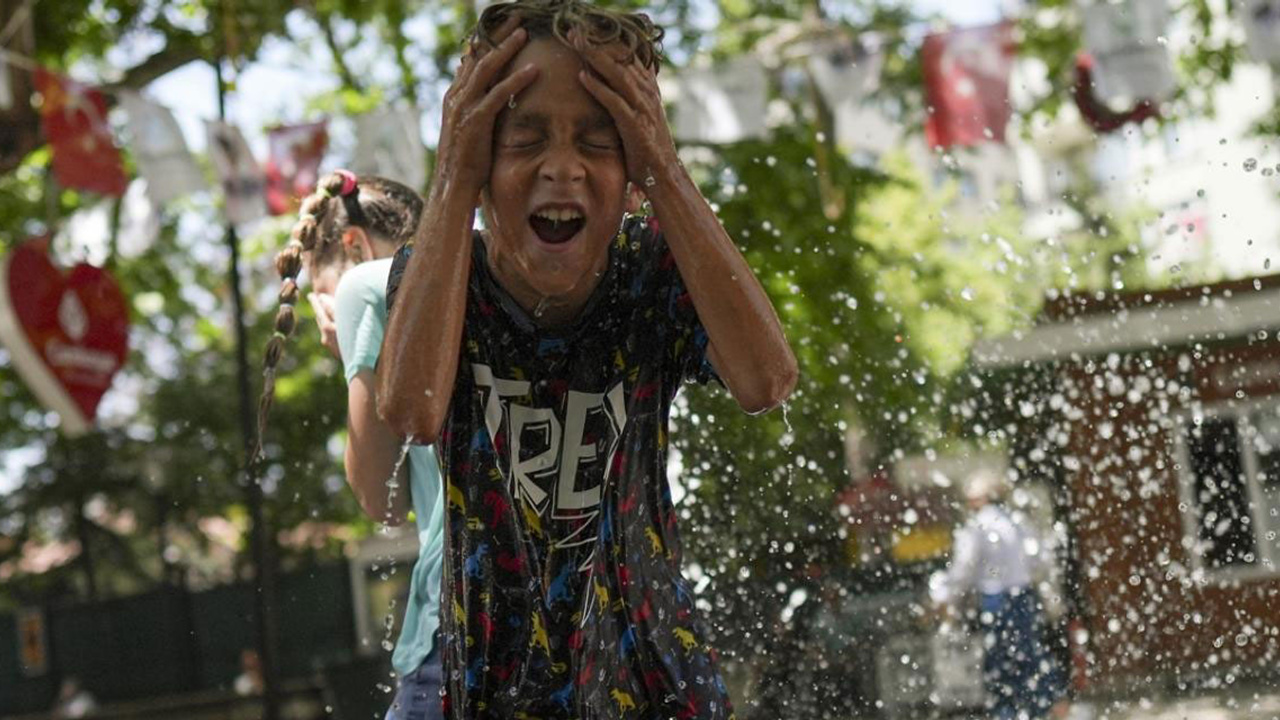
{"type": "Point", "coordinates": [504, 30]}
{"type": "Point", "coordinates": [612, 101]}
{"type": "Point", "coordinates": [509, 87]}
{"type": "Point", "coordinates": [494, 61]}
{"type": "Point", "coordinates": [480, 63]}
{"type": "Point", "coordinates": [645, 80]}
{"type": "Point", "coordinates": [480, 48]}
{"type": "Point", "coordinates": [613, 74]}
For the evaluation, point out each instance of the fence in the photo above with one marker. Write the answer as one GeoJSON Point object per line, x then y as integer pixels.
{"type": "Point", "coordinates": [169, 641]}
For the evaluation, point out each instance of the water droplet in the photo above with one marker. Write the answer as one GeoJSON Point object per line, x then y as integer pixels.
{"type": "Point", "coordinates": [1250, 165]}
{"type": "Point", "coordinates": [1200, 193]}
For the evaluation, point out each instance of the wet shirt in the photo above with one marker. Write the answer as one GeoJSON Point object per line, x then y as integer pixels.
{"type": "Point", "coordinates": [563, 591]}
{"type": "Point", "coordinates": [992, 553]}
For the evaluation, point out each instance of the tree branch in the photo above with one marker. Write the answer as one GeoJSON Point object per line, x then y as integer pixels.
{"type": "Point", "coordinates": [180, 48]}
{"type": "Point", "coordinates": [325, 20]}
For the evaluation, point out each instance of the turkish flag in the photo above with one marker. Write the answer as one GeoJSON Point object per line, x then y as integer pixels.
{"type": "Point", "coordinates": [966, 78]}
{"type": "Point", "coordinates": [75, 123]}
{"type": "Point", "coordinates": [293, 164]}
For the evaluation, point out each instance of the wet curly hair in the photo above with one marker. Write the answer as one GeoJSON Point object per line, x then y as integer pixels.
{"type": "Point", "coordinates": [556, 18]}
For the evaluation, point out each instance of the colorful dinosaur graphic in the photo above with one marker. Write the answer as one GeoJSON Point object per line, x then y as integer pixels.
{"type": "Point", "coordinates": [686, 638]}
{"type": "Point", "coordinates": [623, 700]}
{"type": "Point", "coordinates": [538, 636]}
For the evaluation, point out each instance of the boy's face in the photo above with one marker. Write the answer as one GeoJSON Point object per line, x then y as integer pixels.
{"type": "Point", "coordinates": [557, 187]}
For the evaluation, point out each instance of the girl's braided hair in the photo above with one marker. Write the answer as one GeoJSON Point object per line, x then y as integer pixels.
{"type": "Point", "coordinates": [382, 207]}
{"type": "Point", "coordinates": [597, 26]}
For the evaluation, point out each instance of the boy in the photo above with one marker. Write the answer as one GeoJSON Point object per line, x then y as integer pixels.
{"type": "Point", "coordinates": [542, 357]}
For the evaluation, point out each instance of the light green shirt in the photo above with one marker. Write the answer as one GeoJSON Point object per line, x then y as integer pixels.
{"type": "Point", "coordinates": [361, 317]}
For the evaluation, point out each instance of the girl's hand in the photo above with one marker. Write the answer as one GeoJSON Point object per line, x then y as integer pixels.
{"type": "Point", "coordinates": [322, 304]}
{"type": "Point", "coordinates": [472, 104]}
{"type": "Point", "coordinates": [629, 92]}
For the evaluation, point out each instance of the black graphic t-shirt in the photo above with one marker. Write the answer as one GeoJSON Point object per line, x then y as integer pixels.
{"type": "Point", "coordinates": [563, 596]}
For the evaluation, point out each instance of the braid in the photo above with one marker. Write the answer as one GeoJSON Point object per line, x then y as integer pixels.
{"type": "Point", "coordinates": [382, 207]}
{"type": "Point", "coordinates": [314, 215]}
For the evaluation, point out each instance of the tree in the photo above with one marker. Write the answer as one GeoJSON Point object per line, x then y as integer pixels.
{"type": "Point", "coordinates": [881, 285]}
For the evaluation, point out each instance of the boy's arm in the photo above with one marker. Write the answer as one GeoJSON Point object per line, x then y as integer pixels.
{"type": "Point", "coordinates": [420, 352]}
{"type": "Point", "coordinates": [747, 346]}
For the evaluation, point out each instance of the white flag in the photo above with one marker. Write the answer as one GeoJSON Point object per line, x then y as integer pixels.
{"type": "Point", "coordinates": [719, 105]}
{"type": "Point", "coordinates": [6, 86]}
{"type": "Point", "coordinates": [1126, 40]}
{"type": "Point", "coordinates": [87, 233]}
{"type": "Point", "coordinates": [243, 183]}
{"type": "Point", "coordinates": [846, 75]}
{"type": "Point", "coordinates": [160, 150]}
{"type": "Point", "coordinates": [389, 143]}
{"type": "Point", "coordinates": [1262, 30]}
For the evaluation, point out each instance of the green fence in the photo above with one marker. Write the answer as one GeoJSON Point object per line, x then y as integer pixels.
{"type": "Point", "coordinates": [169, 641]}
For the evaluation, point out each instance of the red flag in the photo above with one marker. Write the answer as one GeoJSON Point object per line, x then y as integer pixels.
{"type": "Point", "coordinates": [75, 123]}
{"type": "Point", "coordinates": [966, 78]}
{"type": "Point", "coordinates": [293, 164]}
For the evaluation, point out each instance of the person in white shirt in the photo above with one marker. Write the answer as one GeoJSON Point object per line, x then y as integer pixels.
{"type": "Point", "coordinates": [996, 557]}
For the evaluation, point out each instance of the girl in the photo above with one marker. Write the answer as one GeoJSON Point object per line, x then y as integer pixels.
{"type": "Point", "coordinates": [346, 235]}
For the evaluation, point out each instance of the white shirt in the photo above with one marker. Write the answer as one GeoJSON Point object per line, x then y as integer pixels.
{"type": "Point", "coordinates": [992, 553]}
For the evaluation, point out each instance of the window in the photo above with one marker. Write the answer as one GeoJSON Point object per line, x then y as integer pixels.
{"type": "Point", "coordinates": [1231, 488]}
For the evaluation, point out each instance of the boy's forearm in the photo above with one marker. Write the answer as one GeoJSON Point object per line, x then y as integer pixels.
{"type": "Point", "coordinates": [419, 357]}
{"type": "Point", "coordinates": [747, 345]}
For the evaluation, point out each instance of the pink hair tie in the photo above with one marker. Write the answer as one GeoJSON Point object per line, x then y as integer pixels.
{"type": "Point", "coordinates": [348, 182]}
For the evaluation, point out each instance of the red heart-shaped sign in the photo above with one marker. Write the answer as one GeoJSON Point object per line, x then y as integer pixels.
{"type": "Point", "coordinates": [67, 334]}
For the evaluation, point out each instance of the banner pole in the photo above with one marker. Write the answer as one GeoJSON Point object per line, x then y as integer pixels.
{"type": "Point", "coordinates": [264, 586]}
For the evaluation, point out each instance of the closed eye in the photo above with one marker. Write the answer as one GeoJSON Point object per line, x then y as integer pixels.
{"type": "Point", "coordinates": [599, 142]}
{"type": "Point", "coordinates": [521, 140]}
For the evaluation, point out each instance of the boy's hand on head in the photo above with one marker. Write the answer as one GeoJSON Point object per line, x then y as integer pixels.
{"type": "Point", "coordinates": [472, 104]}
{"type": "Point", "coordinates": [629, 92]}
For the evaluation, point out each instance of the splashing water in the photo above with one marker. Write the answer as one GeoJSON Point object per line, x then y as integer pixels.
{"type": "Point", "coordinates": [786, 420]}
{"type": "Point", "coordinates": [393, 485]}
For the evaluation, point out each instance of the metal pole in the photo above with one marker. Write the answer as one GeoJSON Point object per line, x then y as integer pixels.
{"type": "Point", "coordinates": [259, 538]}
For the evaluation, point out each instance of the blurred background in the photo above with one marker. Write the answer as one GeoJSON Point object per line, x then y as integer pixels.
{"type": "Point", "coordinates": [1029, 238]}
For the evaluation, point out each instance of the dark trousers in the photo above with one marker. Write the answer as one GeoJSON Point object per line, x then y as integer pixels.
{"type": "Point", "coordinates": [418, 694]}
{"type": "Point", "coordinates": [1019, 674]}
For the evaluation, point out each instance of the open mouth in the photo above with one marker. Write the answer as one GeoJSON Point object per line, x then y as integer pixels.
{"type": "Point", "coordinates": [556, 226]}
